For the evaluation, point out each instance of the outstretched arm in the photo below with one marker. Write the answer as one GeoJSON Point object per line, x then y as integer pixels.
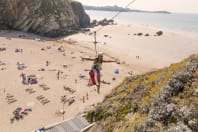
{"type": "Point", "coordinates": [90, 59]}
{"type": "Point", "coordinates": [87, 59]}
{"type": "Point", "coordinates": [109, 61]}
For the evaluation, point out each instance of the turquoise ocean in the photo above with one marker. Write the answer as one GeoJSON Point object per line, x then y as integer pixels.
{"type": "Point", "coordinates": [174, 21]}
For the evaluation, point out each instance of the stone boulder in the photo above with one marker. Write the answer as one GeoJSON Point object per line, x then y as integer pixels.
{"type": "Point", "coordinates": [103, 22]}
{"type": "Point", "coordinates": [84, 19]}
{"type": "Point", "coordinates": [50, 18]}
{"type": "Point", "coordinates": [159, 33]}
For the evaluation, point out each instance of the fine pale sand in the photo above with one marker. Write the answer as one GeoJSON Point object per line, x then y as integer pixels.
{"type": "Point", "coordinates": [120, 43]}
{"type": "Point", "coordinates": [153, 51]}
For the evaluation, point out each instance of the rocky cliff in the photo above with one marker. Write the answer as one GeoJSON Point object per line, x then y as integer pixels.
{"type": "Point", "coordinates": [163, 100]}
{"type": "Point", "coordinates": [50, 18]}
{"type": "Point", "coordinates": [78, 9]}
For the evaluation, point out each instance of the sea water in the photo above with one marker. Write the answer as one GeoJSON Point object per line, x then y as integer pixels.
{"type": "Point", "coordinates": [173, 21]}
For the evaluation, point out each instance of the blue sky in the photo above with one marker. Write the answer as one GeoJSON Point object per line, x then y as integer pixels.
{"type": "Point", "coordinates": [184, 6]}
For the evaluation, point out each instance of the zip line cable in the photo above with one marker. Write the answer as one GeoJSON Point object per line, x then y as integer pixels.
{"type": "Point", "coordinates": [118, 13]}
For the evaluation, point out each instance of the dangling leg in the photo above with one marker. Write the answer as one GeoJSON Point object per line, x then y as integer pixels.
{"type": "Point", "coordinates": [96, 77]}
{"type": "Point", "coordinates": [98, 80]}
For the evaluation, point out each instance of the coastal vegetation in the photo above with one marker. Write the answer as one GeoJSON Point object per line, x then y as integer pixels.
{"type": "Point", "coordinates": [162, 100]}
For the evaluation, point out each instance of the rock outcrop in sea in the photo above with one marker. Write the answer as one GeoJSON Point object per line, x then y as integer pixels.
{"type": "Point", "coordinates": [103, 22]}
{"type": "Point", "coordinates": [50, 18]}
{"type": "Point", "coordinates": [162, 100]}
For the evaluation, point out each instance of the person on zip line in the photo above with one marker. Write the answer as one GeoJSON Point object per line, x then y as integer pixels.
{"type": "Point", "coordinates": [95, 74]}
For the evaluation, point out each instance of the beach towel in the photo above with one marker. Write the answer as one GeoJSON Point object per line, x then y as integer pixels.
{"type": "Point", "coordinates": [33, 81]}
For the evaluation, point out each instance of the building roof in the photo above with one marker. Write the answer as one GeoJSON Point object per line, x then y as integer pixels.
{"type": "Point", "coordinates": [76, 124]}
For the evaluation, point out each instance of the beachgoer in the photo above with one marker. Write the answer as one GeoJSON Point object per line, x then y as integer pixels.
{"type": "Point", "coordinates": [83, 99]}
{"type": "Point", "coordinates": [47, 63]}
{"type": "Point", "coordinates": [96, 68]}
{"type": "Point", "coordinates": [58, 74]}
{"type": "Point", "coordinates": [87, 96]}
{"type": "Point", "coordinates": [25, 78]}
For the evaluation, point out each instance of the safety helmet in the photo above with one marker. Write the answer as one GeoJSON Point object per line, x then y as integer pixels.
{"type": "Point", "coordinates": [99, 57]}
{"type": "Point", "coordinates": [100, 54]}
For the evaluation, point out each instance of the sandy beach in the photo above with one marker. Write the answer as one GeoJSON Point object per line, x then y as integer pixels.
{"type": "Point", "coordinates": [64, 56]}
{"type": "Point", "coordinates": [154, 51]}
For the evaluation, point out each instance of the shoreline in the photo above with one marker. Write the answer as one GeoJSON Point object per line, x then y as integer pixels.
{"type": "Point", "coordinates": [174, 31]}
{"type": "Point", "coordinates": [137, 23]}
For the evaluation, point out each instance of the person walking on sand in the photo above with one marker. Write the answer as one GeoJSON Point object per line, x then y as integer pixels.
{"type": "Point", "coordinates": [47, 63]}
{"type": "Point", "coordinates": [95, 75]}
{"type": "Point", "coordinates": [58, 74]}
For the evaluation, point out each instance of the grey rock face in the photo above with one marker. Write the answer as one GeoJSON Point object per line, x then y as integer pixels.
{"type": "Point", "coordinates": [50, 18]}
{"type": "Point", "coordinates": [84, 19]}
{"type": "Point", "coordinates": [159, 33]}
